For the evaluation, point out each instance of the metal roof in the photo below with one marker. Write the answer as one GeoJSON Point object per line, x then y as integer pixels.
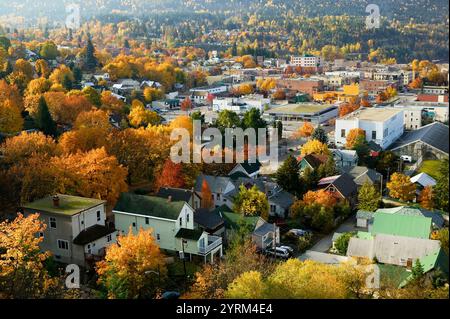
{"type": "Point", "coordinates": [401, 225]}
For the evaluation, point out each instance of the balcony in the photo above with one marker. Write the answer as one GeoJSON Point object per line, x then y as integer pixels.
{"type": "Point", "coordinates": [213, 242]}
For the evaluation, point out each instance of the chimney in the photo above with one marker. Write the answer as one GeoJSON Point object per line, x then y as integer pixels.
{"type": "Point", "coordinates": [169, 199]}
{"type": "Point", "coordinates": [55, 201]}
{"type": "Point", "coordinates": [193, 197]}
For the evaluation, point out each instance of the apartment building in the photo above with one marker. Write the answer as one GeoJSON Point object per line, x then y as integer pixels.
{"type": "Point", "coordinates": [306, 61]}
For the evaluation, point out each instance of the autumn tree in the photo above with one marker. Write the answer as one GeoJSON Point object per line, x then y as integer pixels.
{"type": "Point", "coordinates": [305, 130]}
{"type": "Point", "coordinates": [23, 146]}
{"type": "Point", "coordinates": [132, 266]}
{"type": "Point", "coordinates": [251, 202]}
{"type": "Point", "coordinates": [11, 120]}
{"type": "Point", "coordinates": [139, 116]}
{"type": "Point", "coordinates": [401, 187]}
{"type": "Point", "coordinates": [321, 197]}
{"type": "Point", "coordinates": [111, 103]}
{"type": "Point", "coordinates": [152, 94]}
{"type": "Point", "coordinates": [93, 96]}
{"type": "Point", "coordinates": [353, 136]}
{"type": "Point", "coordinates": [426, 198]}
{"type": "Point", "coordinates": [22, 264]}
{"type": "Point", "coordinates": [94, 174]}
{"type": "Point", "coordinates": [171, 175]}
{"type": "Point", "coordinates": [206, 195]}
{"type": "Point", "coordinates": [368, 198]}
{"type": "Point", "coordinates": [314, 147]}
{"type": "Point", "coordinates": [186, 105]}
{"type": "Point", "coordinates": [279, 95]}
{"type": "Point", "coordinates": [249, 285]}
{"type": "Point", "coordinates": [441, 191]}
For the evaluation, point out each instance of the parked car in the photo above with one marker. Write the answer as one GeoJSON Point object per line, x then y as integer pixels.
{"type": "Point", "coordinates": [299, 232]}
{"type": "Point", "coordinates": [289, 249]}
{"type": "Point", "coordinates": [406, 158]}
{"type": "Point", "coordinates": [277, 252]}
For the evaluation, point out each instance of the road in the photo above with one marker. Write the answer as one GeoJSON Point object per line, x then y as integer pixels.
{"type": "Point", "coordinates": [325, 243]}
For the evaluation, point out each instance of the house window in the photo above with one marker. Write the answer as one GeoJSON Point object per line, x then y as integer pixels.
{"type": "Point", "coordinates": [273, 208]}
{"type": "Point", "coordinates": [63, 244]}
{"type": "Point", "coordinates": [98, 215]}
{"type": "Point", "coordinates": [343, 133]}
{"type": "Point", "coordinates": [41, 235]}
{"type": "Point", "coordinates": [181, 221]}
{"type": "Point", "coordinates": [134, 224]}
{"type": "Point", "coordinates": [53, 222]}
{"type": "Point", "coordinates": [374, 135]}
{"type": "Point", "coordinates": [158, 237]}
{"type": "Point", "coordinates": [187, 218]}
{"type": "Point", "coordinates": [147, 220]}
{"type": "Point", "coordinates": [218, 196]}
{"type": "Point", "coordinates": [109, 238]}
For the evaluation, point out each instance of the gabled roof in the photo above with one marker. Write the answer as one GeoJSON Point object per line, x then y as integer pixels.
{"type": "Point", "coordinates": [217, 184]}
{"type": "Point", "coordinates": [232, 220]}
{"type": "Point", "coordinates": [343, 183]}
{"type": "Point", "coordinates": [149, 206]}
{"type": "Point", "coordinates": [362, 174]}
{"type": "Point", "coordinates": [423, 179]}
{"type": "Point", "coordinates": [434, 260]}
{"type": "Point", "coordinates": [177, 194]}
{"type": "Point", "coordinates": [436, 217]}
{"type": "Point", "coordinates": [208, 219]}
{"type": "Point", "coordinates": [315, 160]}
{"type": "Point", "coordinates": [282, 199]}
{"type": "Point", "coordinates": [92, 234]}
{"type": "Point", "coordinates": [192, 234]}
{"type": "Point", "coordinates": [251, 168]}
{"type": "Point", "coordinates": [434, 134]}
{"type": "Point", "coordinates": [363, 214]}
{"type": "Point", "coordinates": [401, 225]}
{"type": "Point", "coordinates": [264, 229]}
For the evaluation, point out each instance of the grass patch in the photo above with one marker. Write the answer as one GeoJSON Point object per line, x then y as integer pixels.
{"type": "Point", "coordinates": [392, 275]}
{"type": "Point", "coordinates": [431, 167]}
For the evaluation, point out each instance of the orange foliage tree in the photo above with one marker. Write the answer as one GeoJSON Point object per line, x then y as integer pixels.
{"type": "Point", "coordinates": [322, 197]}
{"type": "Point", "coordinates": [305, 130]}
{"type": "Point", "coordinates": [171, 175]}
{"type": "Point", "coordinates": [401, 187]}
{"type": "Point", "coordinates": [207, 201]}
{"type": "Point", "coordinates": [426, 198]}
{"type": "Point", "coordinates": [353, 136]}
{"type": "Point", "coordinates": [186, 105]}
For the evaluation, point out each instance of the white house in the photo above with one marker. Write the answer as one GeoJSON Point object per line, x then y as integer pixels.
{"type": "Point", "coordinates": [381, 125]}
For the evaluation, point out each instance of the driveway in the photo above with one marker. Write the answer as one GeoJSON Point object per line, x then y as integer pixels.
{"type": "Point", "coordinates": [325, 243]}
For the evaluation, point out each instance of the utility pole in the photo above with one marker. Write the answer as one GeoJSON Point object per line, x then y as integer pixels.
{"type": "Point", "coordinates": [183, 241]}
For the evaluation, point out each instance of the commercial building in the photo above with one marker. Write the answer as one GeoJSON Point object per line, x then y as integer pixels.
{"type": "Point", "coordinates": [381, 125]}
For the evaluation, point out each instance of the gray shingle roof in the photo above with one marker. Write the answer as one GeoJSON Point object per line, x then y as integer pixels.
{"type": "Point", "coordinates": [92, 233]}
{"type": "Point", "coordinates": [208, 219]}
{"type": "Point", "coordinates": [362, 174]}
{"type": "Point", "coordinates": [217, 184]}
{"type": "Point", "coordinates": [264, 229]}
{"type": "Point", "coordinates": [434, 134]}
{"type": "Point", "coordinates": [177, 194]}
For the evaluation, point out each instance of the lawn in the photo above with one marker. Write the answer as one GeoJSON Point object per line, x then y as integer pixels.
{"type": "Point", "coordinates": [431, 167]}
{"type": "Point", "coordinates": [392, 275]}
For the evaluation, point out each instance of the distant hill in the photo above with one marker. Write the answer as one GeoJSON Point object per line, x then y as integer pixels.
{"type": "Point", "coordinates": [420, 10]}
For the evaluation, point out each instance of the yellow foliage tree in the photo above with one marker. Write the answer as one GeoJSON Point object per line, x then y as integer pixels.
{"type": "Point", "coordinates": [22, 268]}
{"type": "Point", "coordinates": [352, 137]}
{"type": "Point", "coordinates": [11, 120]}
{"type": "Point", "coordinates": [426, 198]}
{"type": "Point", "coordinates": [401, 187]}
{"type": "Point", "coordinates": [139, 116]}
{"type": "Point", "coordinates": [305, 130]}
{"type": "Point", "coordinates": [315, 147]}
{"type": "Point", "coordinates": [132, 266]}
{"type": "Point", "coordinates": [249, 285]}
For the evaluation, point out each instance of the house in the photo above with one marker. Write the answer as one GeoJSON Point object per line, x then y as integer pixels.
{"type": "Point", "coordinates": [179, 194]}
{"type": "Point", "coordinates": [363, 218]}
{"type": "Point", "coordinates": [437, 219]}
{"type": "Point", "coordinates": [423, 180]}
{"type": "Point", "coordinates": [341, 185]}
{"type": "Point", "coordinates": [224, 189]}
{"type": "Point", "coordinates": [250, 170]}
{"type": "Point", "coordinates": [210, 221]}
{"type": "Point", "coordinates": [345, 158]}
{"type": "Point", "coordinates": [383, 126]}
{"type": "Point", "coordinates": [264, 234]}
{"type": "Point", "coordinates": [199, 95]}
{"type": "Point", "coordinates": [150, 84]}
{"type": "Point", "coordinates": [400, 225]}
{"type": "Point", "coordinates": [77, 231]}
{"type": "Point", "coordinates": [125, 86]}
{"type": "Point", "coordinates": [392, 249]}
{"type": "Point", "coordinates": [428, 142]}
{"type": "Point", "coordinates": [172, 224]}
{"type": "Point", "coordinates": [362, 175]}
{"type": "Point", "coordinates": [312, 161]}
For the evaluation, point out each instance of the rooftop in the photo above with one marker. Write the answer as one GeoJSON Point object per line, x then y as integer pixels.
{"type": "Point", "coordinates": [373, 114]}
{"type": "Point", "coordinates": [401, 225]}
{"type": "Point", "coordinates": [300, 108]}
{"type": "Point", "coordinates": [149, 206]}
{"type": "Point", "coordinates": [68, 205]}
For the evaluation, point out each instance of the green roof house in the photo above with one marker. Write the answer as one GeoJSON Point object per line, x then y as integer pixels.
{"type": "Point", "coordinates": [77, 232]}
{"type": "Point", "coordinates": [401, 225]}
{"type": "Point", "coordinates": [172, 224]}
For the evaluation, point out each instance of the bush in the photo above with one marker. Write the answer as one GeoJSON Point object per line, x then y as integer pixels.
{"type": "Point", "coordinates": [341, 244]}
{"type": "Point", "coordinates": [304, 243]}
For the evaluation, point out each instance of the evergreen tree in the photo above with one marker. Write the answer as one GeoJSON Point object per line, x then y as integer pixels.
{"type": "Point", "coordinates": [44, 119]}
{"type": "Point", "coordinates": [417, 271]}
{"type": "Point", "coordinates": [67, 82]}
{"type": "Point", "coordinates": [77, 74]}
{"type": "Point", "coordinates": [90, 59]}
{"type": "Point", "coordinates": [441, 189]}
{"type": "Point", "coordinates": [319, 134]}
{"type": "Point", "coordinates": [234, 51]}
{"type": "Point", "coordinates": [287, 176]}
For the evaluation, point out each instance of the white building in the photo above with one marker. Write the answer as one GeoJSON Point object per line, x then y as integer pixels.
{"type": "Point", "coordinates": [200, 94]}
{"type": "Point", "coordinates": [241, 104]}
{"type": "Point", "coordinates": [306, 61]}
{"type": "Point", "coordinates": [435, 110]}
{"type": "Point", "coordinates": [383, 126]}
